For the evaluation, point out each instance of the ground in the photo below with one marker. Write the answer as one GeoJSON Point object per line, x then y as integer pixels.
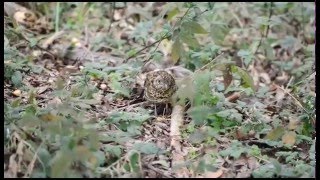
{"type": "Point", "coordinates": [74, 84]}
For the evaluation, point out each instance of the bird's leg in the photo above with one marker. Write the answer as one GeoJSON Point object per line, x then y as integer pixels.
{"type": "Point", "coordinates": [165, 110]}
{"type": "Point", "coordinates": [155, 109]}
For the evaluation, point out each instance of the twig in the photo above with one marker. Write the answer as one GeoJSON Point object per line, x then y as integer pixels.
{"type": "Point", "coordinates": [289, 82]}
{"type": "Point", "coordinates": [158, 171]}
{"type": "Point", "coordinates": [37, 46]}
{"type": "Point", "coordinates": [146, 47]}
{"type": "Point", "coordinates": [236, 17]}
{"type": "Point", "coordinates": [57, 17]}
{"type": "Point", "coordinates": [103, 114]}
{"type": "Point", "coordinates": [150, 57]}
{"type": "Point", "coordinates": [130, 106]}
{"type": "Point", "coordinates": [268, 27]}
{"type": "Point", "coordinates": [86, 36]}
{"type": "Point", "coordinates": [212, 60]}
{"type": "Point", "coordinates": [159, 41]}
{"type": "Point", "coordinates": [32, 163]}
{"type": "Point", "coordinates": [297, 101]}
{"type": "Point", "coordinates": [112, 15]}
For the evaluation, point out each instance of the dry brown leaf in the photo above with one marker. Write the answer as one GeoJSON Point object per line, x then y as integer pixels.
{"type": "Point", "coordinates": [20, 148]}
{"type": "Point", "coordinates": [227, 77]}
{"type": "Point", "coordinates": [266, 118]}
{"type": "Point", "coordinates": [279, 95]}
{"type": "Point", "coordinates": [13, 167]}
{"type": "Point", "coordinates": [55, 101]}
{"type": "Point", "coordinates": [150, 66]}
{"type": "Point", "coordinates": [31, 165]}
{"type": "Point", "coordinates": [293, 124]}
{"type": "Point", "coordinates": [253, 163]}
{"type": "Point", "coordinates": [69, 69]}
{"type": "Point", "coordinates": [49, 117]}
{"type": "Point", "coordinates": [51, 39]}
{"type": "Point", "coordinates": [214, 174]}
{"type": "Point", "coordinates": [103, 86]}
{"type": "Point", "coordinates": [266, 77]}
{"type": "Point", "coordinates": [17, 93]}
{"type": "Point", "coordinates": [42, 89]}
{"type": "Point", "coordinates": [10, 8]}
{"type": "Point", "coordinates": [275, 133]}
{"type": "Point", "coordinates": [179, 72]}
{"type": "Point", "coordinates": [233, 97]}
{"type": "Point", "coordinates": [289, 138]}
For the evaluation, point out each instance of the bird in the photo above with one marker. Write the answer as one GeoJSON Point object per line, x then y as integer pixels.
{"type": "Point", "coordinates": [159, 87]}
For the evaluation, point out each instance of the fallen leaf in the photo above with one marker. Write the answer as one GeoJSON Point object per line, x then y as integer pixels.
{"type": "Point", "coordinates": [253, 163]}
{"type": "Point", "coordinates": [49, 117]}
{"type": "Point", "coordinates": [279, 95]}
{"type": "Point", "coordinates": [275, 133]}
{"type": "Point", "coordinates": [293, 124]}
{"type": "Point", "coordinates": [42, 89]}
{"type": "Point", "coordinates": [214, 174]}
{"type": "Point", "coordinates": [17, 92]}
{"type": "Point", "coordinates": [103, 86]}
{"type": "Point", "coordinates": [227, 77]}
{"type": "Point", "coordinates": [289, 138]}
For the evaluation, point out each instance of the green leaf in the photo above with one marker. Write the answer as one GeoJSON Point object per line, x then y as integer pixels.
{"type": "Point", "coordinates": [33, 42]}
{"type": "Point", "coordinates": [224, 113]}
{"type": "Point", "coordinates": [193, 27]}
{"type": "Point", "coordinates": [247, 56]}
{"type": "Point", "coordinates": [140, 116]}
{"type": "Point", "coordinates": [16, 102]}
{"type": "Point", "coordinates": [100, 156]}
{"type": "Point", "coordinates": [235, 150]}
{"type": "Point", "coordinates": [86, 101]}
{"type": "Point", "coordinates": [247, 79]}
{"type": "Point", "coordinates": [275, 133]}
{"type": "Point", "coordinates": [186, 90]}
{"type": "Point", "coordinates": [255, 150]}
{"type": "Point", "coordinates": [134, 129]}
{"type": "Point", "coordinates": [190, 40]}
{"type": "Point", "coordinates": [60, 83]}
{"type": "Point", "coordinates": [312, 153]}
{"type": "Point", "coordinates": [176, 50]}
{"type": "Point", "coordinates": [61, 164]}
{"type": "Point", "coordinates": [264, 171]}
{"type": "Point", "coordinates": [147, 148]}
{"type": "Point", "coordinates": [172, 13]}
{"type": "Point", "coordinates": [262, 20]}
{"type": "Point", "coordinates": [269, 50]}
{"type": "Point", "coordinates": [277, 166]}
{"type": "Point", "coordinates": [202, 86]}
{"type": "Point", "coordinates": [142, 30]}
{"type": "Point", "coordinates": [29, 120]}
{"type": "Point", "coordinates": [197, 137]}
{"type": "Point", "coordinates": [131, 52]}
{"type": "Point", "coordinates": [113, 149]}
{"type": "Point", "coordinates": [118, 88]}
{"type": "Point", "coordinates": [199, 114]}
{"type": "Point", "coordinates": [134, 162]}
{"type": "Point", "coordinates": [37, 69]}
{"type": "Point", "coordinates": [218, 32]}
{"type": "Point", "coordinates": [17, 78]}
{"type": "Point", "coordinates": [44, 155]}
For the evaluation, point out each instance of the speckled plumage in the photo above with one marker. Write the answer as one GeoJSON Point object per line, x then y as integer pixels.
{"type": "Point", "coordinates": [159, 86]}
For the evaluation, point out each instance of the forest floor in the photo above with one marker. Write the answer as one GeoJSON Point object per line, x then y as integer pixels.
{"type": "Point", "coordinates": [74, 84]}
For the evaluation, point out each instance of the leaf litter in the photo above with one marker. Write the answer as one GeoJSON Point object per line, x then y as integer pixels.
{"type": "Point", "coordinates": [146, 143]}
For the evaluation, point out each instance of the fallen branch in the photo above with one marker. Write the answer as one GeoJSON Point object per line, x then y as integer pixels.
{"type": "Point", "coordinates": [267, 30]}
{"type": "Point", "coordinates": [177, 154]}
